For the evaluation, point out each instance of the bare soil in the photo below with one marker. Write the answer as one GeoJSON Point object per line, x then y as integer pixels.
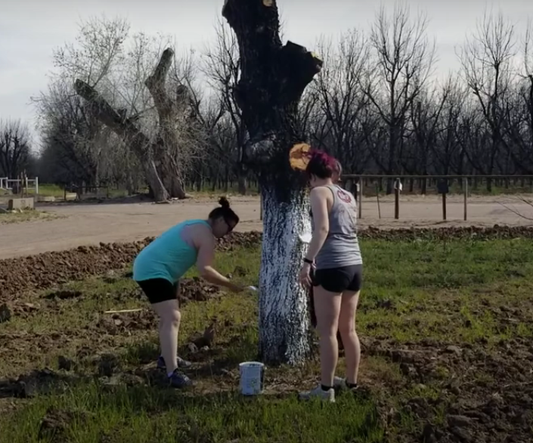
{"type": "Point", "coordinates": [90, 224]}
{"type": "Point", "coordinates": [460, 390]}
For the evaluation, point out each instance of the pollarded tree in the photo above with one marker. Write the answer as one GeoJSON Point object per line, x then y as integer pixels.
{"type": "Point", "coordinates": [272, 79]}
{"type": "Point", "coordinates": [128, 85]}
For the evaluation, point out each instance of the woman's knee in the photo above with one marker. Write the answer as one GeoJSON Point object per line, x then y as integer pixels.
{"type": "Point", "coordinates": [327, 326]}
{"type": "Point", "coordinates": [347, 327]}
{"type": "Point", "coordinates": [172, 316]}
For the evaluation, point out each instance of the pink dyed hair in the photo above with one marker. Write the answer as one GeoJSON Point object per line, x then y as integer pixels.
{"type": "Point", "coordinates": [321, 164]}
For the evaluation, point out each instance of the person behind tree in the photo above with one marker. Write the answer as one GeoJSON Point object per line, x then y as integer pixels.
{"type": "Point", "coordinates": [159, 267]}
{"type": "Point", "coordinates": [337, 172]}
{"type": "Point", "coordinates": [337, 280]}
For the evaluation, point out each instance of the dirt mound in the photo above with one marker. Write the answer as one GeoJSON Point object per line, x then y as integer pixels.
{"type": "Point", "coordinates": [43, 271]}
{"type": "Point", "coordinates": [54, 268]}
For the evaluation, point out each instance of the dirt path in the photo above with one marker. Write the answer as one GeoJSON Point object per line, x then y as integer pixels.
{"type": "Point", "coordinates": [85, 224]}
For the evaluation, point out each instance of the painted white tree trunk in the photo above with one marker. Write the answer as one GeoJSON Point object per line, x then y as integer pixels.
{"type": "Point", "coordinates": [284, 326]}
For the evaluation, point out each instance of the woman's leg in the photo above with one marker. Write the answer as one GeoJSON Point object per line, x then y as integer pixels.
{"type": "Point", "coordinates": [163, 298]}
{"type": "Point", "coordinates": [169, 322]}
{"type": "Point", "coordinates": [352, 346]}
{"type": "Point", "coordinates": [327, 307]}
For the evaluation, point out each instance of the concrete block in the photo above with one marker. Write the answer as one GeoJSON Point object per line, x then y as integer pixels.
{"type": "Point", "coordinates": [21, 203]}
{"type": "Point", "coordinates": [46, 198]}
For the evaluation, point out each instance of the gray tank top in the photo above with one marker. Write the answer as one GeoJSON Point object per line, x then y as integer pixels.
{"type": "Point", "coordinates": [341, 247]}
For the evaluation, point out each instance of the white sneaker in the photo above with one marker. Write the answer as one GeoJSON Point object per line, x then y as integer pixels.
{"type": "Point", "coordinates": [319, 393]}
{"type": "Point", "coordinates": [339, 383]}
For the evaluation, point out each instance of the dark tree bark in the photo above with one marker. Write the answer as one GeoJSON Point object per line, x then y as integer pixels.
{"type": "Point", "coordinates": [160, 167]}
{"type": "Point", "coordinates": [273, 78]}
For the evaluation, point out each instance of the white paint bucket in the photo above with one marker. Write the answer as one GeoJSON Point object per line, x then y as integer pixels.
{"type": "Point", "coordinates": [252, 375]}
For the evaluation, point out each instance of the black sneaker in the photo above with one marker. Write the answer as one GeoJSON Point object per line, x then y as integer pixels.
{"type": "Point", "coordinates": [179, 380]}
{"type": "Point", "coordinates": [182, 364]}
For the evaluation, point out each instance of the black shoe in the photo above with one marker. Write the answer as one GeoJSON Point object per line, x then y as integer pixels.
{"type": "Point", "coordinates": [179, 380]}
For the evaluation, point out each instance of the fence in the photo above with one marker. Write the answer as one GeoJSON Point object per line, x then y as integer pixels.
{"type": "Point", "coordinates": [356, 184]}
{"type": "Point", "coordinates": [19, 184]}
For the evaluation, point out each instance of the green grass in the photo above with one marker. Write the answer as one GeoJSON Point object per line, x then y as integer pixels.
{"type": "Point", "coordinates": [472, 294]}
{"type": "Point", "coordinates": [141, 415]}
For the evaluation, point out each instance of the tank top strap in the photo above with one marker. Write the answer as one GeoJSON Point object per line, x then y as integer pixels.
{"type": "Point", "coordinates": [334, 189]}
{"type": "Point", "coordinates": [196, 222]}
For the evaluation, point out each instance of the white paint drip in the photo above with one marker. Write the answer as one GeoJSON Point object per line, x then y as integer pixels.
{"type": "Point", "coordinates": [306, 237]}
{"type": "Point", "coordinates": [284, 328]}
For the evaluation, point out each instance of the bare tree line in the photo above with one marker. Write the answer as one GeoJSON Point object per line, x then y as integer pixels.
{"type": "Point", "coordinates": [123, 109]}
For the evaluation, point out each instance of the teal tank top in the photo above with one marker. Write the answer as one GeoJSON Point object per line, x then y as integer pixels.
{"type": "Point", "coordinates": [168, 256]}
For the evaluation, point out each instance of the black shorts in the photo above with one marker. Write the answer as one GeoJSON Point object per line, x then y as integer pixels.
{"type": "Point", "coordinates": [348, 278]}
{"type": "Point", "coordinates": [159, 289]}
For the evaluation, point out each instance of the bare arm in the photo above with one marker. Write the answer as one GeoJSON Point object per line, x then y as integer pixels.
{"type": "Point", "coordinates": [204, 263]}
{"type": "Point", "coordinates": [319, 206]}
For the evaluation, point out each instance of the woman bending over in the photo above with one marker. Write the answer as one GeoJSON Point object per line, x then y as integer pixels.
{"type": "Point", "coordinates": [159, 267]}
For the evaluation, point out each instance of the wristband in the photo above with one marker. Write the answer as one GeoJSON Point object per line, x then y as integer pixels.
{"type": "Point", "coordinates": [306, 260]}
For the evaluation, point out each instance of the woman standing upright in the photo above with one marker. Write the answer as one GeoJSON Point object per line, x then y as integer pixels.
{"type": "Point", "coordinates": [334, 251]}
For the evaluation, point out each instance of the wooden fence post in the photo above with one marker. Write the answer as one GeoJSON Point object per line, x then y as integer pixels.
{"type": "Point", "coordinates": [377, 196]}
{"type": "Point", "coordinates": [465, 192]}
{"type": "Point", "coordinates": [397, 189]}
{"type": "Point", "coordinates": [260, 205]}
{"type": "Point", "coordinates": [360, 197]}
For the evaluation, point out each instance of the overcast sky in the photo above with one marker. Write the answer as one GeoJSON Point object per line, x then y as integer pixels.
{"type": "Point", "coordinates": [31, 29]}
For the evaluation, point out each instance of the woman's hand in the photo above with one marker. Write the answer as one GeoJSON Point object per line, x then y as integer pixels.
{"type": "Point", "coordinates": [305, 275]}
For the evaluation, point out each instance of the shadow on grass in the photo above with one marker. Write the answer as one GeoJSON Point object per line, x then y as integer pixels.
{"type": "Point", "coordinates": [38, 382]}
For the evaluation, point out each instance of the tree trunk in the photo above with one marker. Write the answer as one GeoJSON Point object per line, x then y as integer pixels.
{"type": "Point", "coordinates": [284, 327]}
{"type": "Point", "coordinates": [171, 113]}
{"type": "Point", "coordinates": [242, 185]}
{"type": "Point", "coordinates": [171, 176]}
{"type": "Point", "coordinates": [273, 78]}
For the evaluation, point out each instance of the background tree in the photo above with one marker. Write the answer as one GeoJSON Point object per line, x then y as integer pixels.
{"type": "Point", "coordinates": [403, 60]}
{"type": "Point", "coordinates": [221, 67]}
{"type": "Point", "coordinates": [486, 59]}
{"type": "Point", "coordinates": [15, 148]}
{"type": "Point", "coordinates": [272, 79]}
{"type": "Point", "coordinates": [341, 100]}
